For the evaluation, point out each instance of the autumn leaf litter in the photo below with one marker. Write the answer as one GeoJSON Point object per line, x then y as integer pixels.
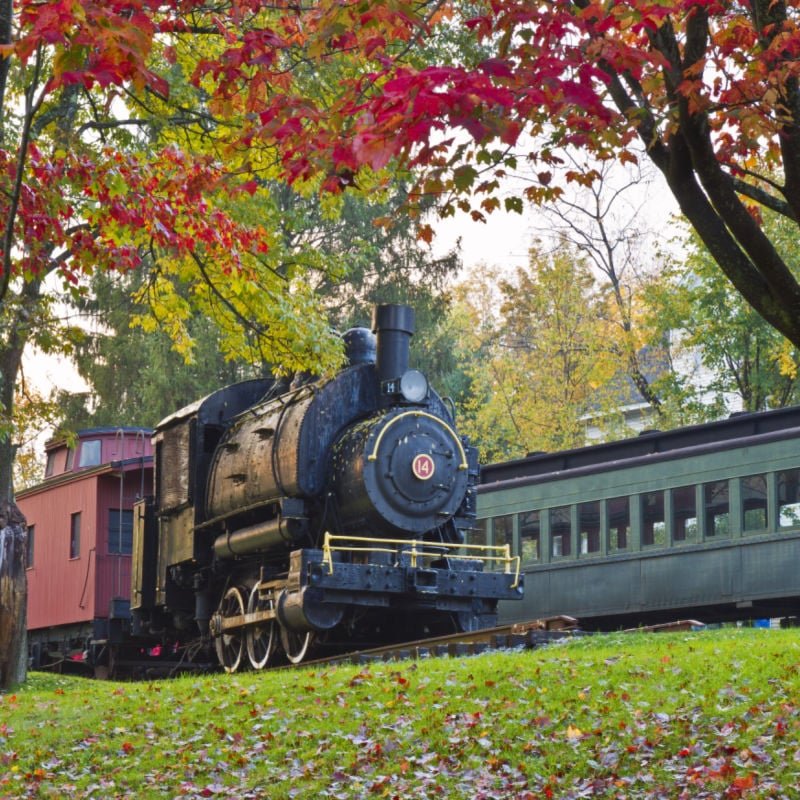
{"type": "Point", "coordinates": [711, 714]}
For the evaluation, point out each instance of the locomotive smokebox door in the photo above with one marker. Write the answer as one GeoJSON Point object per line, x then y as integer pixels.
{"type": "Point", "coordinates": [406, 471]}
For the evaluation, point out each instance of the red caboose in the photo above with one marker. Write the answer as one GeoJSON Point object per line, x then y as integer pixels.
{"type": "Point", "coordinates": [80, 533]}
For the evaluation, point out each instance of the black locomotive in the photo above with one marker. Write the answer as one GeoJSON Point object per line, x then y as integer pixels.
{"type": "Point", "coordinates": [316, 514]}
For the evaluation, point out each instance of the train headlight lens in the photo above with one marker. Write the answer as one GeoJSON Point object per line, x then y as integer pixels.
{"type": "Point", "coordinates": [414, 386]}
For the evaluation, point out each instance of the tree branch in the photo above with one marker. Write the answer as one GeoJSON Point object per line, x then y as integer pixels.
{"type": "Point", "coordinates": [763, 197]}
{"type": "Point", "coordinates": [32, 105]}
{"type": "Point", "coordinates": [6, 17]}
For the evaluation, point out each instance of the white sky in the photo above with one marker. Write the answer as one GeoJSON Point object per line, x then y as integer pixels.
{"type": "Point", "coordinates": [504, 240]}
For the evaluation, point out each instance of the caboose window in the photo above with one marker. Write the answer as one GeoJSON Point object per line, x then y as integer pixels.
{"type": "Point", "coordinates": [70, 458]}
{"type": "Point", "coordinates": [51, 465]}
{"type": "Point", "coordinates": [716, 504]}
{"type": "Point", "coordinates": [619, 523]}
{"type": "Point", "coordinates": [29, 546]}
{"type": "Point", "coordinates": [530, 530]}
{"type": "Point", "coordinates": [560, 530]}
{"type": "Point", "coordinates": [654, 528]}
{"type": "Point", "coordinates": [789, 498]}
{"type": "Point", "coordinates": [754, 503]}
{"type": "Point", "coordinates": [120, 531]}
{"type": "Point", "coordinates": [90, 453]}
{"type": "Point", "coordinates": [684, 514]}
{"type": "Point", "coordinates": [589, 527]}
{"type": "Point", "coordinates": [75, 535]}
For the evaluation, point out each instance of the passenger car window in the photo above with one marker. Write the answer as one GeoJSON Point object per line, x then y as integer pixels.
{"type": "Point", "coordinates": [503, 530]}
{"type": "Point", "coordinates": [789, 498]}
{"type": "Point", "coordinates": [684, 515]}
{"type": "Point", "coordinates": [589, 528]}
{"type": "Point", "coordinates": [619, 523]}
{"type": "Point", "coordinates": [477, 533]}
{"type": "Point", "coordinates": [530, 535]}
{"type": "Point", "coordinates": [654, 526]}
{"type": "Point", "coordinates": [717, 506]}
{"type": "Point", "coordinates": [754, 503]}
{"type": "Point", "coordinates": [560, 531]}
{"type": "Point", "coordinates": [502, 534]}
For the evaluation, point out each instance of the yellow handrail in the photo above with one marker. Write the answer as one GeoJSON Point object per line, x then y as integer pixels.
{"type": "Point", "coordinates": [502, 553]}
{"type": "Point", "coordinates": [374, 455]}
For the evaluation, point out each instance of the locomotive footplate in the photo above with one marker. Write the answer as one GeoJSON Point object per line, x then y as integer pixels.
{"type": "Point", "coordinates": [413, 573]}
{"type": "Point", "coordinates": [369, 580]}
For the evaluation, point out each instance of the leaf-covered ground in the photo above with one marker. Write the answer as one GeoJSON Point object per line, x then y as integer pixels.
{"type": "Point", "coordinates": [710, 714]}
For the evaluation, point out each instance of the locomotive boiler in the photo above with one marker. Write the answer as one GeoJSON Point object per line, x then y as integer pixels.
{"type": "Point", "coordinates": [320, 513]}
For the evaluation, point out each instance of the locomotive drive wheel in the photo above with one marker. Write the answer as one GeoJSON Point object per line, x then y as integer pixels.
{"type": "Point", "coordinates": [261, 639]}
{"type": "Point", "coordinates": [296, 645]}
{"type": "Point", "coordinates": [230, 646]}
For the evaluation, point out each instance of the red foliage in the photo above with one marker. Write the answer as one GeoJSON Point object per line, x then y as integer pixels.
{"type": "Point", "coordinates": [557, 63]}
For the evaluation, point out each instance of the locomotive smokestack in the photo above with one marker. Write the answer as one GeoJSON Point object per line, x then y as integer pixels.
{"type": "Point", "coordinates": [394, 327]}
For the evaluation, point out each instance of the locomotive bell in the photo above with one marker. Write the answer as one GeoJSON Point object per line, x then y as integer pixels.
{"type": "Point", "coordinates": [359, 346]}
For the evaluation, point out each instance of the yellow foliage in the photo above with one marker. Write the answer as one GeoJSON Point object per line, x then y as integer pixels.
{"type": "Point", "coordinates": [546, 354]}
{"type": "Point", "coordinates": [786, 360]}
{"type": "Point", "coordinates": [33, 415]}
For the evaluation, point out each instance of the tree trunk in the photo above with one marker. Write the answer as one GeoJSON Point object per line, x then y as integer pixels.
{"type": "Point", "coordinates": [13, 596]}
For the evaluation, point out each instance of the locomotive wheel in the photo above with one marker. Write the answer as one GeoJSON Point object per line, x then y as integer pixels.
{"type": "Point", "coordinates": [296, 645]}
{"type": "Point", "coordinates": [261, 639]}
{"type": "Point", "coordinates": [230, 646]}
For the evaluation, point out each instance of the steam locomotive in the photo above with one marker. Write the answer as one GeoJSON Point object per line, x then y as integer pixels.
{"type": "Point", "coordinates": [291, 518]}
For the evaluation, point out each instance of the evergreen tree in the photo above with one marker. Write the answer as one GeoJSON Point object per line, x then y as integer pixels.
{"type": "Point", "coordinates": [356, 256]}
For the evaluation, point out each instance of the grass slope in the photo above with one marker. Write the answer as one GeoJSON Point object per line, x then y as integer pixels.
{"type": "Point", "coordinates": [711, 714]}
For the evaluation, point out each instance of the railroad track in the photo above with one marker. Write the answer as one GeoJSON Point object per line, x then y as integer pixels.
{"type": "Point", "coordinates": [526, 635]}
{"type": "Point", "coordinates": [523, 635]}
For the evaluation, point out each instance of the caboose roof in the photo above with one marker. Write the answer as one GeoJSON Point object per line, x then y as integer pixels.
{"type": "Point", "coordinates": [110, 468]}
{"type": "Point", "coordinates": [106, 430]}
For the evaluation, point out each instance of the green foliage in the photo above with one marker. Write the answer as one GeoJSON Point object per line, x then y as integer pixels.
{"type": "Point", "coordinates": [137, 377]}
{"type": "Point", "coordinates": [130, 138]}
{"type": "Point", "coordinates": [642, 715]}
{"type": "Point", "coordinates": [349, 262]}
{"type": "Point", "coordinates": [741, 353]}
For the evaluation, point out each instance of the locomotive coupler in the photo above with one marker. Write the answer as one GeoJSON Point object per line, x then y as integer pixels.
{"type": "Point", "coordinates": [423, 581]}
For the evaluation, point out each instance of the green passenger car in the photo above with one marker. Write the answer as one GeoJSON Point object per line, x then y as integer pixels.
{"type": "Point", "coordinates": [701, 522]}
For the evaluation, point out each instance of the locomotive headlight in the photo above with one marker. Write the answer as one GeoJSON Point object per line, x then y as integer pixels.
{"type": "Point", "coordinates": [414, 386]}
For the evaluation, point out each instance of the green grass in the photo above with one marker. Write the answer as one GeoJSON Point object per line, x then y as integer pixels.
{"type": "Point", "coordinates": [710, 714]}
